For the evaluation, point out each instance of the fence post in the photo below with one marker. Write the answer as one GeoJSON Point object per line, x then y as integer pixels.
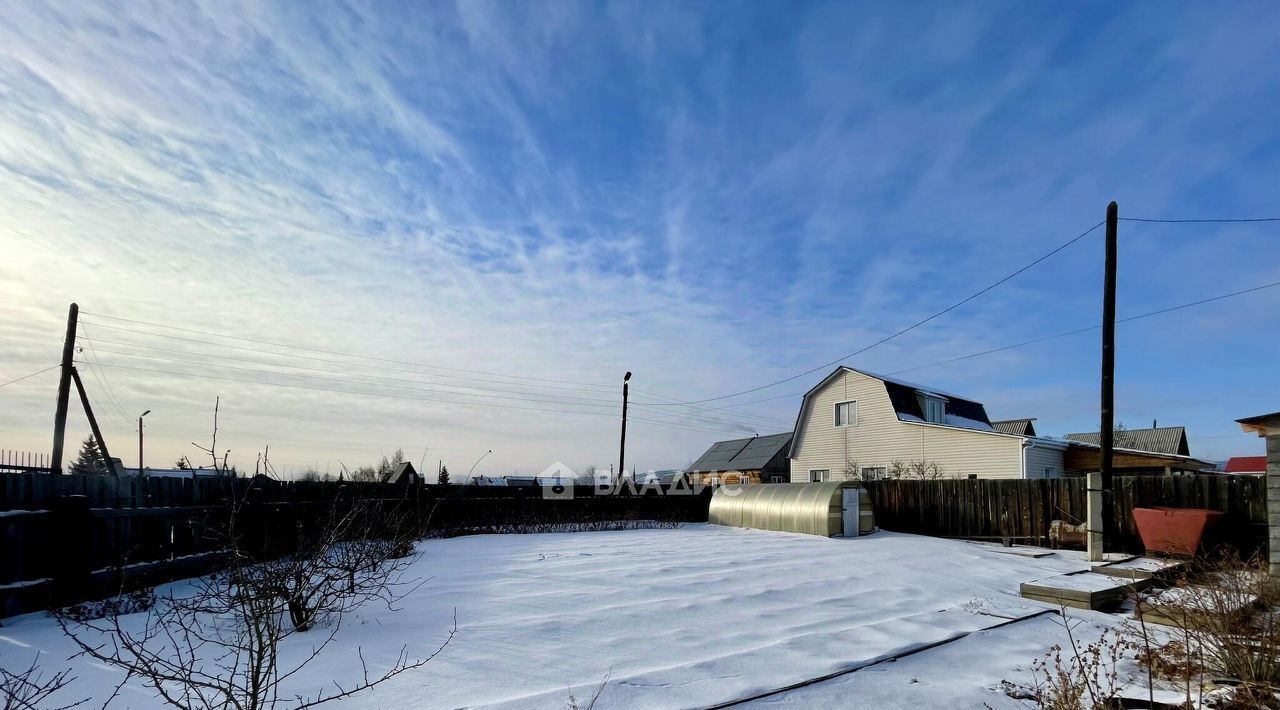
{"type": "Point", "coordinates": [73, 540]}
{"type": "Point", "coordinates": [1094, 528]}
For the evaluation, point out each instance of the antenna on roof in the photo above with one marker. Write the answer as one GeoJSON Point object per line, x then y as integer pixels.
{"type": "Point", "coordinates": [1153, 423]}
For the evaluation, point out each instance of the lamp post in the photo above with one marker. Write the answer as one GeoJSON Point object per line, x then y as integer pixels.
{"type": "Point", "coordinates": [140, 416]}
{"type": "Point", "coordinates": [477, 463]}
{"type": "Point", "coordinates": [622, 446]}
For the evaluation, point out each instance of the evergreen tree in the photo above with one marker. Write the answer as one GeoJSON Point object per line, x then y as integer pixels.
{"type": "Point", "coordinates": [444, 476]}
{"type": "Point", "coordinates": [90, 458]}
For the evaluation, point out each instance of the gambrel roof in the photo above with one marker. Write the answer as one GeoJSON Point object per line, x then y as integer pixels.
{"type": "Point", "coordinates": [959, 412]}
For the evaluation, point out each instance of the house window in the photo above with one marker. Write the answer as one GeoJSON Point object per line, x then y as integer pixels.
{"type": "Point", "coordinates": [777, 478]}
{"type": "Point", "coordinates": [1048, 472]}
{"type": "Point", "coordinates": [874, 473]}
{"type": "Point", "coordinates": [934, 409]}
{"type": "Point", "coordinates": [818, 476]}
{"type": "Point", "coordinates": [846, 414]}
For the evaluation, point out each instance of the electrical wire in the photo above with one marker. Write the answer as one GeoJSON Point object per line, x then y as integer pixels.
{"type": "Point", "coordinates": [1199, 221]}
{"type": "Point", "coordinates": [37, 372]}
{"type": "Point", "coordinates": [909, 328]}
{"type": "Point", "coordinates": [421, 399]}
{"type": "Point", "coordinates": [599, 404]}
{"type": "Point", "coordinates": [343, 354]}
{"type": "Point", "coordinates": [102, 376]}
{"type": "Point", "coordinates": [1078, 331]}
{"type": "Point", "coordinates": [518, 393]}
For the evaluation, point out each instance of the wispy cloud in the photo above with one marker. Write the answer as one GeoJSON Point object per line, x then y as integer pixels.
{"type": "Point", "coordinates": [568, 192]}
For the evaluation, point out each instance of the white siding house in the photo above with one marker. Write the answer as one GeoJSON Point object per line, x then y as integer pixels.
{"type": "Point", "coordinates": [858, 425]}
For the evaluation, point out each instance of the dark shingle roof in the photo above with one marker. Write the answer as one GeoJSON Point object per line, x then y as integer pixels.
{"type": "Point", "coordinates": [1020, 427]}
{"type": "Point", "coordinates": [750, 454]}
{"type": "Point", "coordinates": [1163, 440]}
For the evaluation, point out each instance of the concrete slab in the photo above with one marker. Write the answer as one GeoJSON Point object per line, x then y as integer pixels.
{"type": "Point", "coordinates": [1163, 570]}
{"type": "Point", "coordinates": [1082, 590]}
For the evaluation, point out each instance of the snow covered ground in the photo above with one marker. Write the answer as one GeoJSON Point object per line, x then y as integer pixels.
{"type": "Point", "coordinates": [687, 617]}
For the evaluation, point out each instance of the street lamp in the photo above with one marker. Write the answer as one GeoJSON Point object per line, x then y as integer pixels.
{"type": "Point", "coordinates": [622, 446]}
{"type": "Point", "coordinates": [140, 416]}
{"type": "Point", "coordinates": [477, 463]}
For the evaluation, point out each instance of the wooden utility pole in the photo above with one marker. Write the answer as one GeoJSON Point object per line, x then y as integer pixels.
{"type": "Point", "coordinates": [622, 447]}
{"type": "Point", "coordinates": [93, 424]}
{"type": "Point", "coordinates": [1106, 435]}
{"type": "Point", "coordinates": [64, 389]}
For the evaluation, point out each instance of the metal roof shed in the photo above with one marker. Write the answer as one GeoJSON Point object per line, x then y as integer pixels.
{"type": "Point", "coordinates": [832, 509]}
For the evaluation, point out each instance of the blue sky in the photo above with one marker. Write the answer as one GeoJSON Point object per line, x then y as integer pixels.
{"type": "Point", "coordinates": [714, 196]}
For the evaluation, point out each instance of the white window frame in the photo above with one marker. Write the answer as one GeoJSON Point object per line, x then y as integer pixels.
{"type": "Point", "coordinates": [941, 405]}
{"type": "Point", "coordinates": [835, 414]}
{"type": "Point", "coordinates": [879, 473]}
{"type": "Point", "coordinates": [822, 475]}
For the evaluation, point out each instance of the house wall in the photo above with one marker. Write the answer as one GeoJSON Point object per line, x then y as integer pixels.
{"type": "Point", "coordinates": [738, 477]}
{"type": "Point", "coordinates": [879, 438]}
{"type": "Point", "coordinates": [1040, 458]}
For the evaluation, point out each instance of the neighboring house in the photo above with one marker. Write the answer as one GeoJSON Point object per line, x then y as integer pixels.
{"type": "Point", "coordinates": [666, 476]}
{"type": "Point", "coordinates": [857, 425]}
{"type": "Point", "coordinates": [1138, 452]}
{"type": "Point", "coordinates": [757, 459]}
{"type": "Point", "coordinates": [173, 472]}
{"type": "Point", "coordinates": [1020, 427]}
{"type": "Point", "coordinates": [1170, 440]}
{"type": "Point", "coordinates": [1256, 465]}
{"type": "Point", "coordinates": [405, 475]}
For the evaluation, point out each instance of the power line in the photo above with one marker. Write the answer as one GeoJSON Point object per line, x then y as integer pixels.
{"type": "Point", "coordinates": [581, 386]}
{"type": "Point", "coordinates": [658, 422]}
{"type": "Point", "coordinates": [600, 404]}
{"type": "Point", "coordinates": [37, 372]}
{"type": "Point", "coordinates": [1200, 221]}
{"type": "Point", "coordinates": [541, 395]}
{"type": "Point", "coordinates": [1078, 331]}
{"type": "Point", "coordinates": [338, 353]}
{"type": "Point", "coordinates": [102, 376]}
{"type": "Point", "coordinates": [911, 327]}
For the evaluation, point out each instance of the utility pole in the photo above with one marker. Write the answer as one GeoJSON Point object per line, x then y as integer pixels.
{"type": "Point", "coordinates": [93, 424]}
{"type": "Point", "coordinates": [622, 447]}
{"type": "Point", "coordinates": [140, 416]}
{"type": "Point", "coordinates": [64, 389]}
{"type": "Point", "coordinates": [1106, 435]}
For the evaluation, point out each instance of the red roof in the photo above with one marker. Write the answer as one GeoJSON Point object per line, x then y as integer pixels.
{"type": "Point", "coordinates": [1247, 464]}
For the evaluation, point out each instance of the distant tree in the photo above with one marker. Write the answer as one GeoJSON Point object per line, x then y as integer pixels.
{"type": "Point", "coordinates": [310, 475]}
{"type": "Point", "coordinates": [443, 478]}
{"type": "Point", "coordinates": [1121, 436]}
{"type": "Point", "coordinates": [182, 464]}
{"type": "Point", "coordinates": [387, 466]}
{"type": "Point", "coordinates": [90, 458]}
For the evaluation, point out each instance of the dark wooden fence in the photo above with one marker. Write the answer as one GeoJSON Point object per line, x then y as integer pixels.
{"type": "Point", "coordinates": [1023, 510]}
{"type": "Point", "coordinates": [72, 538]}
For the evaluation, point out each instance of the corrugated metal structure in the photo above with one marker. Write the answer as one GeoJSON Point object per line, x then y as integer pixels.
{"type": "Point", "coordinates": [833, 509]}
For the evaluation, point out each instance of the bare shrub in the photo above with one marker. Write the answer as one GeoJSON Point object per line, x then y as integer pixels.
{"type": "Point", "coordinates": [1220, 623]}
{"type": "Point", "coordinates": [1078, 676]}
{"type": "Point", "coordinates": [29, 690]}
{"type": "Point", "coordinates": [575, 704]}
{"type": "Point", "coordinates": [125, 603]}
{"type": "Point", "coordinates": [218, 645]}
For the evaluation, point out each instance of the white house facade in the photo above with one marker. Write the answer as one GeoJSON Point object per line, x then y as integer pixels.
{"type": "Point", "coordinates": [856, 425]}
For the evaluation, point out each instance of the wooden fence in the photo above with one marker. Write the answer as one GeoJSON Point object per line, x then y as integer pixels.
{"type": "Point", "coordinates": [72, 538]}
{"type": "Point", "coordinates": [1023, 510]}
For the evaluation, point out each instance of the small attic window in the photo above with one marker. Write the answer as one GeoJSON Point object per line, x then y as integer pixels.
{"type": "Point", "coordinates": [935, 409]}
